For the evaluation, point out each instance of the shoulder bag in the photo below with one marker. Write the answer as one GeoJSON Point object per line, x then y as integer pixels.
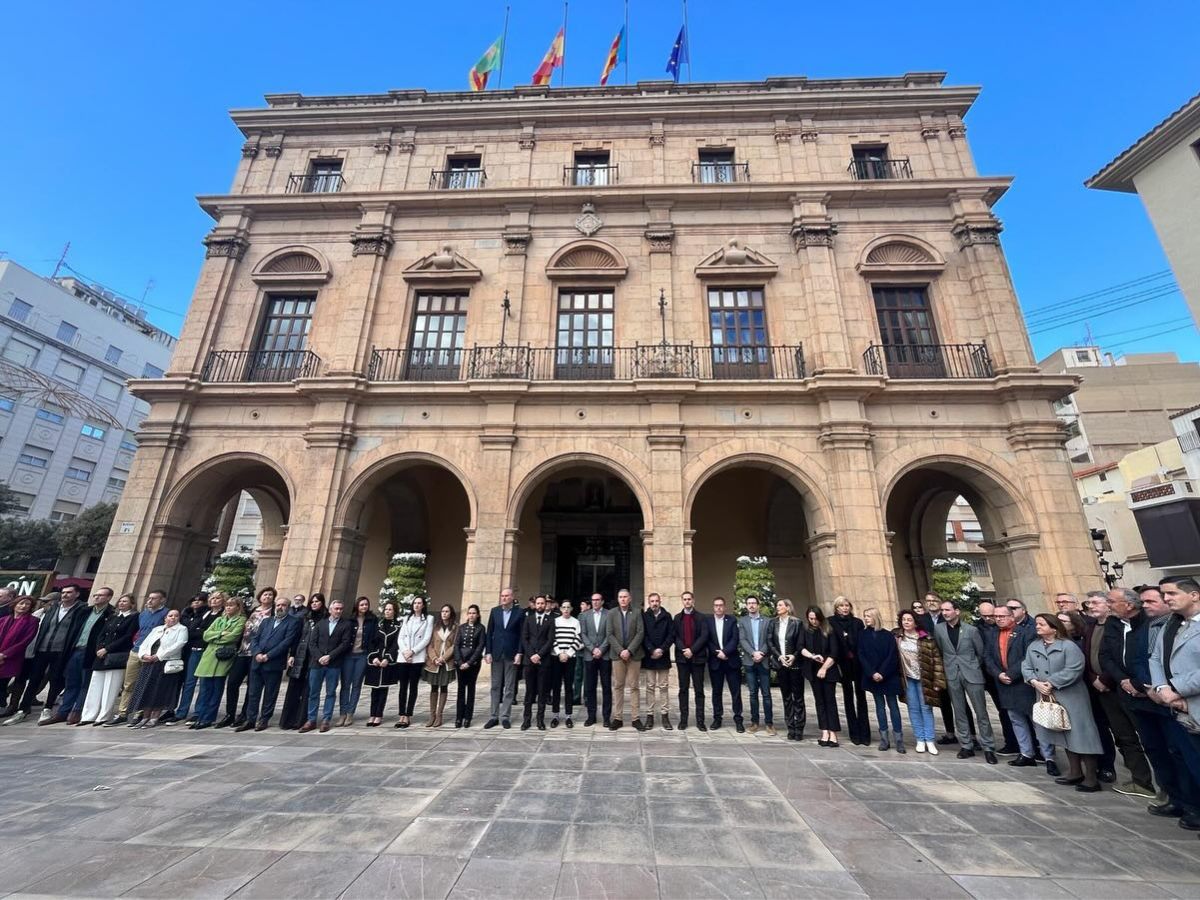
{"type": "Point", "coordinates": [1051, 714]}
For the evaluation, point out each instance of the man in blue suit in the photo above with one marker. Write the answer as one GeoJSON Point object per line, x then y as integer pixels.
{"type": "Point", "coordinates": [724, 665]}
{"type": "Point", "coordinates": [504, 656]}
{"type": "Point", "coordinates": [268, 656]}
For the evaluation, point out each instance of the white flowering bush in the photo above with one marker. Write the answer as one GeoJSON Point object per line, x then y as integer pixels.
{"type": "Point", "coordinates": [753, 577]}
{"type": "Point", "coordinates": [232, 572]}
{"type": "Point", "coordinates": [405, 581]}
{"type": "Point", "coordinates": [951, 580]}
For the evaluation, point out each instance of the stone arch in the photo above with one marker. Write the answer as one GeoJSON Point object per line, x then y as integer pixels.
{"type": "Point", "coordinates": [587, 258]}
{"type": "Point", "coordinates": [295, 263]}
{"type": "Point", "coordinates": [622, 469]}
{"type": "Point", "coordinates": [387, 465]}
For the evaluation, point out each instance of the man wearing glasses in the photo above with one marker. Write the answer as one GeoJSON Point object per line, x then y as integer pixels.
{"type": "Point", "coordinates": [1020, 615]}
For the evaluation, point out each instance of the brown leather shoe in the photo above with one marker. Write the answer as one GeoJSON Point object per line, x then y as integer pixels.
{"type": "Point", "coordinates": [752, 728]}
{"type": "Point", "coordinates": [307, 727]}
{"type": "Point", "coordinates": [771, 730]}
{"type": "Point", "coordinates": [324, 726]}
{"type": "Point", "coordinates": [261, 726]}
{"type": "Point", "coordinates": [73, 718]}
{"type": "Point", "coordinates": [53, 720]}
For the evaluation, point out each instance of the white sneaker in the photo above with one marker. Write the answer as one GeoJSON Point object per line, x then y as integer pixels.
{"type": "Point", "coordinates": [920, 746]}
{"type": "Point", "coordinates": [21, 716]}
{"type": "Point", "coordinates": [933, 750]}
{"type": "Point", "coordinates": [46, 716]}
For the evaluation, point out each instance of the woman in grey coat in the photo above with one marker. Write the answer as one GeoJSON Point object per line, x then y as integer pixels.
{"type": "Point", "coordinates": [1054, 664]}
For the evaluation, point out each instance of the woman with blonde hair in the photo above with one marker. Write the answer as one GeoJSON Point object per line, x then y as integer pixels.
{"type": "Point", "coordinates": [847, 627]}
{"type": "Point", "coordinates": [880, 661]}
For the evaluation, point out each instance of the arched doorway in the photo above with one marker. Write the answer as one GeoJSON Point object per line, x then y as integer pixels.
{"type": "Point", "coordinates": [748, 510]}
{"type": "Point", "coordinates": [918, 510]}
{"type": "Point", "coordinates": [190, 534]}
{"type": "Point", "coordinates": [405, 506]}
{"type": "Point", "coordinates": [580, 532]}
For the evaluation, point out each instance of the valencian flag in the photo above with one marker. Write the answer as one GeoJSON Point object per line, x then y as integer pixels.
{"type": "Point", "coordinates": [679, 54]}
{"type": "Point", "coordinates": [616, 54]}
{"type": "Point", "coordinates": [487, 64]}
{"type": "Point", "coordinates": [552, 60]}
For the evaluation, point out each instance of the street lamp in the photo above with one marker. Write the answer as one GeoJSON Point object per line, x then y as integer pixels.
{"type": "Point", "coordinates": [1099, 536]}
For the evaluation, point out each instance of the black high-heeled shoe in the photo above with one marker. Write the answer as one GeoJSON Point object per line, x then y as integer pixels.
{"type": "Point", "coordinates": [1069, 781]}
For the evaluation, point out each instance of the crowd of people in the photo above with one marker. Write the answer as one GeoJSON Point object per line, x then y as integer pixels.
{"type": "Point", "coordinates": [1115, 673]}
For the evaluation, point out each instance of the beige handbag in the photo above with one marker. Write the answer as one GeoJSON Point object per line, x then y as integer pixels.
{"type": "Point", "coordinates": [1051, 714]}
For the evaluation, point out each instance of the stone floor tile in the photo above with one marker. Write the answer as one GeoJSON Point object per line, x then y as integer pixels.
{"type": "Point", "coordinates": [506, 879]}
{"type": "Point", "coordinates": [421, 777]}
{"type": "Point", "coordinates": [1060, 858]}
{"type": "Point", "coordinates": [399, 876]}
{"type": "Point", "coordinates": [202, 828]}
{"type": "Point", "coordinates": [877, 789]}
{"type": "Point", "coordinates": [522, 840]}
{"type": "Point", "coordinates": [1162, 864]}
{"type": "Point", "coordinates": [1108, 889]}
{"type": "Point", "coordinates": [993, 820]}
{"type": "Point", "coordinates": [404, 802]}
{"type": "Point", "coordinates": [801, 849]}
{"type": "Point", "coordinates": [308, 875]}
{"type": "Point", "coordinates": [742, 786]}
{"type": "Point", "coordinates": [604, 784]}
{"type": "Point", "coordinates": [465, 803]}
{"type": "Point", "coordinates": [920, 818]}
{"type": "Point", "coordinates": [880, 855]}
{"type": "Point", "coordinates": [978, 855]}
{"type": "Point", "coordinates": [792, 882]}
{"type": "Point", "coordinates": [824, 791]}
{"type": "Point", "coordinates": [606, 762]}
{"type": "Point", "coordinates": [25, 865]}
{"type": "Point", "coordinates": [904, 886]}
{"type": "Point", "coordinates": [546, 780]}
{"type": "Point", "coordinates": [605, 843]}
{"type": "Point", "coordinates": [209, 872]}
{"type": "Point", "coordinates": [695, 845]}
{"type": "Point", "coordinates": [355, 834]}
{"type": "Point", "coordinates": [986, 887]}
{"type": "Point", "coordinates": [841, 820]}
{"type": "Point", "coordinates": [676, 810]}
{"type": "Point", "coordinates": [1178, 889]}
{"type": "Point", "coordinates": [708, 882]}
{"type": "Point", "coordinates": [760, 811]}
{"type": "Point", "coordinates": [538, 806]}
{"type": "Point", "coordinates": [676, 785]}
{"type": "Point", "coordinates": [677, 765]}
{"type": "Point", "coordinates": [623, 880]}
{"type": "Point", "coordinates": [438, 837]}
{"type": "Point", "coordinates": [272, 831]}
{"type": "Point", "coordinates": [942, 791]}
{"type": "Point", "coordinates": [630, 810]}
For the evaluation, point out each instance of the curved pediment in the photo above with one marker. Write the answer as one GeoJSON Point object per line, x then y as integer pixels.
{"type": "Point", "coordinates": [587, 259]}
{"type": "Point", "coordinates": [898, 254]}
{"type": "Point", "coordinates": [293, 265]}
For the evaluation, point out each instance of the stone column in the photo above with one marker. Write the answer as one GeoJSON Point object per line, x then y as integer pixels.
{"type": "Point", "coordinates": [812, 235]}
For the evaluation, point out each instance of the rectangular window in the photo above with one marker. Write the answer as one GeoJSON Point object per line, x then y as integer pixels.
{"type": "Point", "coordinates": [245, 541]}
{"type": "Point", "coordinates": [23, 502]}
{"type": "Point", "coordinates": [117, 484]}
{"type": "Point", "coordinates": [68, 372]}
{"type": "Point", "coordinates": [151, 371]}
{"type": "Point", "coordinates": [592, 170]}
{"type": "Point", "coordinates": [584, 349]}
{"type": "Point", "coordinates": [972, 532]}
{"type": "Point", "coordinates": [113, 354]}
{"type": "Point", "coordinates": [250, 508]}
{"type": "Point", "coordinates": [80, 469]}
{"type": "Point", "coordinates": [108, 390]}
{"type": "Point", "coordinates": [64, 511]}
{"type": "Point", "coordinates": [53, 416]}
{"type": "Point", "coordinates": [34, 457]}
{"type": "Point", "coordinates": [324, 177]}
{"type": "Point", "coordinates": [7, 404]}
{"type": "Point", "coordinates": [129, 445]}
{"type": "Point", "coordinates": [20, 353]}
{"type": "Point", "coordinates": [870, 162]}
{"type": "Point", "coordinates": [737, 320]}
{"type": "Point", "coordinates": [283, 338]}
{"type": "Point", "coordinates": [19, 310]}
{"type": "Point", "coordinates": [66, 332]}
{"type": "Point", "coordinates": [463, 172]}
{"type": "Point", "coordinates": [716, 167]}
{"type": "Point", "coordinates": [906, 328]}
{"type": "Point", "coordinates": [439, 327]}
{"type": "Point", "coordinates": [92, 431]}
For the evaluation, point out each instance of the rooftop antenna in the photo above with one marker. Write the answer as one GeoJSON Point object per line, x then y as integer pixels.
{"type": "Point", "coordinates": [149, 288]}
{"type": "Point", "coordinates": [62, 259]}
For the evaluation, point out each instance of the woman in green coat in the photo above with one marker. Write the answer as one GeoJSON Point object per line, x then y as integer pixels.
{"type": "Point", "coordinates": [222, 637]}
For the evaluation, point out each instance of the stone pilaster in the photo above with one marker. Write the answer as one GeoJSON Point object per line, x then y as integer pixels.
{"type": "Point", "coordinates": [358, 291]}
{"type": "Point", "coordinates": [813, 235]}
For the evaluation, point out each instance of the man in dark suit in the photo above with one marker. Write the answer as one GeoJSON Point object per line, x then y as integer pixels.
{"type": "Point", "coordinates": [597, 667]}
{"type": "Point", "coordinates": [57, 636]}
{"type": "Point", "coordinates": [1127, 616]}
{"type": "Point", "coordinates": [724, 665]}
{"type": "Point", "coordinates": [328, 642]}
{"type": "Point", "coordinates": [691, 658]}
{"type": "Point", "coordinates": [269, 651]}
{"type": "Point", "coordinates": [537, 644]}
{"type": "Point", "coordinates": [504, 656]}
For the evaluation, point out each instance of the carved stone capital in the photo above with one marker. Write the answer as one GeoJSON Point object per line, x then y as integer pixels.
{"type": "Point", "coordinates": [527, 142]}
{"type": "Point", "coordinates": [930, 133]}
{"type": "Point", "coordinates": [330, 436]}
{"type": "Point", "coordinates": [249, 150]}
{"type": "Point", "coordinates": [404, 146]}
{"type": "Point", "coordinates": [809, 137]}
{"type": "Point", "coordinates": [957, 132]}
{"type": "Point", "coordinates": [273, 150]}
{"type": "Point", "coordinates": [782, 135]}
{"type": "Point", "coordinates": [383, 146]}
{"type": "Point", "coordinates": [231, 246]}
{"type": "Point", "coordinates": [812, 234]}
{"type": "Point", "coordinates": [516, 241]}
{"type": "Point", "coordinates": [372, 243]}
{"type": "Point", "coordinates": [658, 139]}
{"type": "Point", "coordinates": [660, 237]}
{"type": "Point", "coordinates": [971, 234]}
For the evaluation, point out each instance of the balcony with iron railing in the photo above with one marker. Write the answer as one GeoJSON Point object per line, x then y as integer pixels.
{"type": "Point", "coordinates": [642, 361]}
{"type": "Point", "coordinates": [928, 360]}
{"type": "Point", "coordinates": [720, 172]}
{"type": "Point", "coordinates": [323, 183]}
{"type": "Point", "coordinates": [589, 176]}
{"type": "Point", "coordinates": [262, 366]}
{"type": "Point", "coordinates": [880, 169]}
{"type": "Point", "coordinates": [457, 179]}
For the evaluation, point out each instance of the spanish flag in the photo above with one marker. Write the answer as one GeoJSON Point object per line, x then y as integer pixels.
{"type": "Point", "coordinates": [487, 64]}
{"type": "Point", "coordinates": [552, 60]}
{"type": "Point", "coordinates": [616, 54]}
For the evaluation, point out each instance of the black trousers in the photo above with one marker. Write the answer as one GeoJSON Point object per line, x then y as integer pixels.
{"type": "Point", "coordinates": [727, 673]}
{"type": "Point", "coordinates": [597, 670]}
{"type": "Point", "coordinates": [1124, 733]}
{"type": "Point", "coordinates": [379, 697]}
{"type": "Point", "coordinates": [691, 676]}
{"type": "Point", "coordinates": [261, 694]}
{"type": "Point", "coordinates": [854, 701]}
{"type": "Point", "coordinates": [1010, 736]}
{"type": "Point", "coordinates": [791, 687]}
{"type": "Point", "coordinates": [45, 665]}
{"type": "Point", "coordinates": [295, 701]}
{"type": "Point", "coordinates": [554, 692]}
{"type": "Point", "coordinates": [410, 684]}
{"type": "Point", "coordinates": [466, 693]}
{"type": "Point", "coordinates": [564, 680]}
{"type": "Point", "coordinates": [537, 687]}
{"type": "Point", "coordinates": [233, 686]}
{"type": "Point", "coordinates": [1170, 767]}
{"type": "Point", "coordinates": [825, 698]}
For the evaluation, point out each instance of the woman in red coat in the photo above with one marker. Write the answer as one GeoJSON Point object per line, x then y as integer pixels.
{"type": "Point", "coordinates": [16, 631]}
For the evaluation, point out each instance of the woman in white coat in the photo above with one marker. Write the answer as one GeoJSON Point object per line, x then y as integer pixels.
{"type": "Point", "coordinates": [415, 633]}
{"type": "Point", "coordinates": [161, 674]}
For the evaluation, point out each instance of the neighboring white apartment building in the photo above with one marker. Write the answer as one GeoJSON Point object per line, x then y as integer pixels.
{"type": "Point", "coordinates": [67, 420]}
{"type": "Point", "coordinates": [1163, 168]}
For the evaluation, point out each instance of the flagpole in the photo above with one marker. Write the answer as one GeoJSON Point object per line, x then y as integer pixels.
{"type": "Point", "coordinates": [626, 48]}
{"type": "Point", "coordinates": [687, 40]}
{"type": "Point", "coordinates": [562, 75]}
{"type": "Point", "coordinates": [503, 47]}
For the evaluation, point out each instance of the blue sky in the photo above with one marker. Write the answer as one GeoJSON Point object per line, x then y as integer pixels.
{"type": "Point", "coordinates": [115, 116]}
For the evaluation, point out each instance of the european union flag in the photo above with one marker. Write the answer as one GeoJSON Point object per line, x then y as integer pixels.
{"type": "Point", "coordinates": [679, 54]}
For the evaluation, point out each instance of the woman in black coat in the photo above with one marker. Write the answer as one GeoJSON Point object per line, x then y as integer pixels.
{"type": "Point", "coordinates": [295, 701]}
{"type": "Point", "coordinates": [880, 661]}
{"type": "Point", "coordinates": [847, 627]}
{"type": "Point", "coordinates": [382, 658]}
{"type": "Point", "coordinates": [784, 638]}
{"type": "Point", "coordinates": [469, 646]}
{"type": "Point", "coordinates": [113, 644]}
{"type": "Point", "coordinates": [819, 647]}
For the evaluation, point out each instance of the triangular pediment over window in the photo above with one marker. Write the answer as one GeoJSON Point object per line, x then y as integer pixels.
{"type": "Point", "coordinates": [444, 265]}
{"type": "Point", "coordinates": [735, 259]}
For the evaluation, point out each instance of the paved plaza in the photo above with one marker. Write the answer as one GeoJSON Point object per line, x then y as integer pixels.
{"type": "Point", "coordinates": [585, 813]}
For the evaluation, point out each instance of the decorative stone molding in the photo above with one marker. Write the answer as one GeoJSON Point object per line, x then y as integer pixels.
{"type": "Point", "coordinates": [738, 261]}
{"type": "Point", "coordinates": [333, 437]}
{"type": "Point", "coordinates": [899, 254]}
{"type": "Point", "coordinates": [231, 246]}
{"type": "Point", "coordinates": [249, 150]}
{"type": "Point", "coordinates": [930, 133]}
{"type": "Point", "coordinates": [589, 221]}
{"type": "Point", "coordinates": [371, 243]}
{"type": "Point", "coordinates": [845, 435]}
{"type": "Point", "coordinates": [809, 137]}
{"type": "Point", "coordinates": [957, 132]}
{"type": "Point", "coordinates": [527, 142]}
{"type": "Point", "coordinates": [589, 259]}
{"type": "Point", "coordinates": [658, 139]}
{"type": "Point", "coordinates": [273, 150]}
{"type": "Point", "coordinates": [783, 135]}
{"type": "Point", "coordinates": [812, 234]}
{"type": "Point", "coordinates": [822, 541]}
{"type": "Point", "coordinates": [446, 265]}
{"type": "Point", "coordinates": [660, 237]}
{"type": "Point", "coordinates": [969, 234]}
{"type": "Point", "coordinates": [516, 241]}
{"type": "Point", "coordinates": [383, 145]}
{"type": "Point", "coordinates": [404, 146]}
{"type": "Point", "coordinates": [292, 265]}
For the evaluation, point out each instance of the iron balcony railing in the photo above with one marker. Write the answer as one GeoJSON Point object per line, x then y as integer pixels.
{"type": "Point", "coordinates": [879, 169]}
{"type": "Point", "coordinates": [590, 176]}
{"type": "Point", "coordinates": [928, 360]}
{"type": "Point", "coordinates": [457, 179]}
{"type": "Point", "coordinates": [720, 172]}
{"type": "Point", "coordinates": [326, 183]}
{"type": "Point", "coordinates": [259, 365]}
{"type": "Point", "coordinates": [525, 363]}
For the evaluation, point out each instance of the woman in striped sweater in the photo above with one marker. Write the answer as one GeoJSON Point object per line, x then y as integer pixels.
{"type": "Point", "coordinates": [567, 642]}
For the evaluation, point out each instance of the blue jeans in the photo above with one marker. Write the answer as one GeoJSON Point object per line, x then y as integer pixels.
{"type": "Point", "coordinates": [318, 675]}
{"type": "Point", "coordinates": [189, 684]}
{"type": "Point", "coordinates": [77, 681]}
{"type": "Point", "coordinates": [884, 703]}
{"type": "Point", "coordinates": [354, 667]}
{"type": "Point", "coordinates": [210, 698]}
{"type": "Point", "coordinates": [920, 715]}
{"type": "Point", "coordinates": [758, 678]}
{"type": "Point", "coordinates": [1026, 734]}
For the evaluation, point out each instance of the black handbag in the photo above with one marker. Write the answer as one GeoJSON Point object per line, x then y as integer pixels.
{"type": "Point", "coordinates": [226, 652]}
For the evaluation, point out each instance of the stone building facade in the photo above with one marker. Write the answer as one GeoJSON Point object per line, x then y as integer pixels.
{"type": "Point", "coordinates": [579, 338]}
